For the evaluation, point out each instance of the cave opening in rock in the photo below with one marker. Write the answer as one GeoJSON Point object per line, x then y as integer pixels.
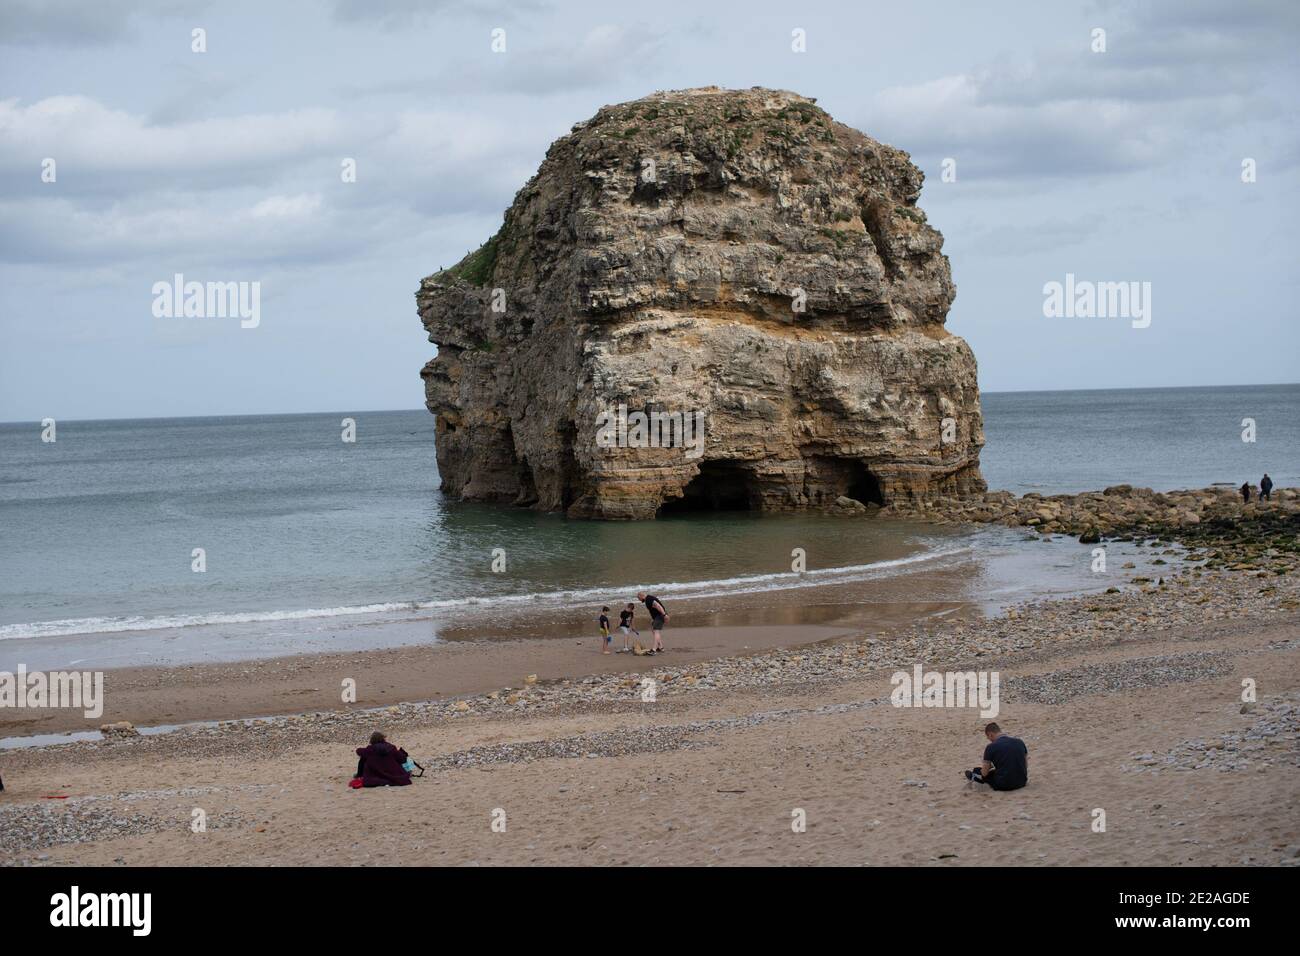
{"type": "Point", "coordinates": [719, 486]}
{"type": "Point", "coordinates": [863, 485]}
{"type": "Point", "coordinates": [527, 496]}
{"type": "Point", "coordinates": [829, 477]}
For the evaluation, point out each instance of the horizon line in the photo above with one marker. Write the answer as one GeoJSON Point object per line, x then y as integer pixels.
{"type": "Point", "coordinates": [369, 411]}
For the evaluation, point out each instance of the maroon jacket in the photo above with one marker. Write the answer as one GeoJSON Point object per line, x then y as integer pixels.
{"type": "Point", "coordinates": [381, 766]}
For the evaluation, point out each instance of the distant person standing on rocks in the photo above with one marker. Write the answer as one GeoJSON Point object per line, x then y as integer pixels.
{"type": "Point", "coordinates": [1006, 761]}
{"type": "Point", "coordinates": [1265, 487]}
{"type": "Point", "coordinates": [657, 618]}
{"type": "Point", "coordinates": [1245, 492]}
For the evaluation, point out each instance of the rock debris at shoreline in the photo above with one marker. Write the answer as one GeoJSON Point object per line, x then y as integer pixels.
{"type": "Point", "coordinates": [1215, 519]}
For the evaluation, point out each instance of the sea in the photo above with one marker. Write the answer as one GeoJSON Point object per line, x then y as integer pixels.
{"type": "Point", "coordinates": [174, 540]}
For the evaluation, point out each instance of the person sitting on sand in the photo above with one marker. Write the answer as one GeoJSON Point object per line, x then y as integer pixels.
{"type": "Point", "coordinates": [380, 764]}
{"type": "Point", "coordinates": [658, 617]}
{"type": "Point", "coordinates": [625, 625]}
{"type": "Point", "coordinates": [1265, 487]}
{"type": "Point", "coordinates": [1006, 761]}
{"type": "Point", "coordinates": [604, 629]}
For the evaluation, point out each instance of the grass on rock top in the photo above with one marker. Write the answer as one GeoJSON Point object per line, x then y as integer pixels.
{"type": "Point", "coordinates": [476, 268]}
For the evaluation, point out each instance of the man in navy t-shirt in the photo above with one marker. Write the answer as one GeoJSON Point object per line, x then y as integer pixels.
{"type": "Point", "coordinates": [1006, 761]}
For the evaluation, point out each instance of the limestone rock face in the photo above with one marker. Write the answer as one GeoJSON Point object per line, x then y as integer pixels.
{"type": "Point", "coordinates": [735, 255]}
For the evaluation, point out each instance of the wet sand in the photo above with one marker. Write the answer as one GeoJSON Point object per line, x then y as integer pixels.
{"type": "Point", "coordinates": [474, 659]}
{"type": "Point", "coordinates": [416, 659]}
{"type": "Point", "coordinates": [402, 661]}
{"type": "Point", "coordinates": [998, 568]}
{"type": "Point", "coordinates": [466, 664]}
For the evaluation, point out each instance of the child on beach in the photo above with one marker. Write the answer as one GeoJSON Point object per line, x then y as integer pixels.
{"type": "Point", "coordinates": [604, 628]}
{"type": "Point", "coordinates": [625, 625]}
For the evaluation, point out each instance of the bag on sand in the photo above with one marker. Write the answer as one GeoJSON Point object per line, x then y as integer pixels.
{"type": "Point", "coordinates": [355, 783]}
{"type": "Point", "coordinates": [411, 766]}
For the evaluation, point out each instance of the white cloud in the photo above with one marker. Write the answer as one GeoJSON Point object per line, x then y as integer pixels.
{"type": "Point", "coordinates": [592, 59]}
{"type": "Point", "coordinates": [287, 207]}
{"type": "Point", "coordinates": [80, 131]}
{"type": "Point", "coordinates": [1064, 112]}
{"type": "Point", "coordinates": [206, 227]}
{"type": "Point", "coordinates": [405, 14]}
{"type": "Point", "coordinates": [81, 22]}
{"type": "Point", "coordinates": [252, 187]}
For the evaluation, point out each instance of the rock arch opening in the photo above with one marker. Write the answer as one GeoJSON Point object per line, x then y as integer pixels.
{"type": "Point", "coordinates": [719, 486]}
{"type": "Point", "coordinates": [827, 478]}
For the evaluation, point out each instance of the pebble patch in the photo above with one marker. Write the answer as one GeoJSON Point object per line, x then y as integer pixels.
{"type": "Point", "coordinates": [1114, 676]}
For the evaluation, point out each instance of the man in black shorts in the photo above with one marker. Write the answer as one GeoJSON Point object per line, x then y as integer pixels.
{"type": "Point", "coordinates": [657, 618]}
{"type": "Point", "coordinates": [1006, 761]}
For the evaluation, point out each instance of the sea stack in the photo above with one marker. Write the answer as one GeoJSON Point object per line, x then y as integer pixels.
{"type": "Point", "coordinates": [735, 256]}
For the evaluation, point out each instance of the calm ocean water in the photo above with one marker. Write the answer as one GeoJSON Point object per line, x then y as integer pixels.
{"type": "Point", "coordinates": [300, 528]}
{"type": "Point", "coordinates": [1163, 438]}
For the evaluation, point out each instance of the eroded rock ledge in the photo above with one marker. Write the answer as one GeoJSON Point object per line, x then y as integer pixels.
{"type": "Point", "coordinates": [655, 261]}
{"type": "Point", "coordinates": [1259, 536]}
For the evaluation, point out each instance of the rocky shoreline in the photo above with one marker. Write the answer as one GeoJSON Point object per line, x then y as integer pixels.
{"type": "Point", "coordinates": [1221, 529]}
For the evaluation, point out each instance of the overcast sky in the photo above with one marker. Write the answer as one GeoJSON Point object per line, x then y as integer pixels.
{"type": "Point", "coordinates": [225, 166]}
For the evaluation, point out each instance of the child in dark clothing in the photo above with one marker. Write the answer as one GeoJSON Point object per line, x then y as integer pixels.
{"type": "Point", "coordinates": [625, 625]}
{"type": "Point", "coordinates": [604, 629]}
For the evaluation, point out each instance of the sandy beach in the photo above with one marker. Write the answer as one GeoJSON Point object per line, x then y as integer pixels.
{"type": "Point", "coordinates": [149, 696]}
{"type": "Point", "coordinates": [1130, 703]}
